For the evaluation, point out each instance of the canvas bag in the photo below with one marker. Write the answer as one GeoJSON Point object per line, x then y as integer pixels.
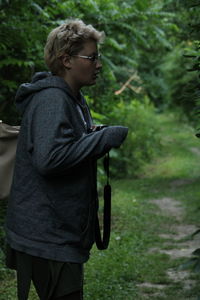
{"type": "Point", "coordinates": [8, 143]}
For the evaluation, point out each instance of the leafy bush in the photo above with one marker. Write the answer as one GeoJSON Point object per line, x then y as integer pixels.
{"type": "Point", "coordinates": [143, 137]}
{"type": "Point", "coordinates": [24, 29]}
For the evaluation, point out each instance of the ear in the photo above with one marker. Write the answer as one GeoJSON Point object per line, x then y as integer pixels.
{"type": "Point", "coordinates": [66, 61]}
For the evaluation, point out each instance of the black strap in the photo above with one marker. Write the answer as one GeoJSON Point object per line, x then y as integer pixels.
{"type": "Point", "coordinates": [103, 244]}
{"type": "Point", "coordinates": [24, 274]}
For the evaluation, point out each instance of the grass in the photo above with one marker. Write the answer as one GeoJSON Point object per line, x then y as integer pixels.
{"type": "Point", "coordinates": [116, 272]}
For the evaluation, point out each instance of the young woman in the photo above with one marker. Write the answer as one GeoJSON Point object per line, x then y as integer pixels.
{"type": "Point", "coordinates": [52, 209]}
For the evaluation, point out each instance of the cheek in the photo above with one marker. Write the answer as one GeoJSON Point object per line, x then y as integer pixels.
{"type": "Point", "coordinates": [83, 73]}
{"type": "Point", "coordinates": [86, 69]}
{"type": "Point", "coordinates": [86, 72]}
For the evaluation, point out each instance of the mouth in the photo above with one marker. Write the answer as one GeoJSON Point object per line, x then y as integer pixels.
{"type": "Point", "coordinates": [95, 76]}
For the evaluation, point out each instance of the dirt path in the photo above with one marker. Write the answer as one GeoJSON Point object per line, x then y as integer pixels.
{"type": "Point", "coordinates": [178, 243]}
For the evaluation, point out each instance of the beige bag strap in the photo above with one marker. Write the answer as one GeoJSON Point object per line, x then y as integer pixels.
{"type": "Point", "coordinates": [8, 144]}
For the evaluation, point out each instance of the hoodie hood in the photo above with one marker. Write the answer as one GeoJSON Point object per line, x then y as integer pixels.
{"type": "Point", "coordinates": [40, 81]}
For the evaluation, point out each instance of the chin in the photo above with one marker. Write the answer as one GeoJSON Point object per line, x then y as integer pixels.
{"type": "Point", "coordinates": [91, 83]}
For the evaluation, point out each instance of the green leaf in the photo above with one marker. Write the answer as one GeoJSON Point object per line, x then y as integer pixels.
{"type": "Point", "coordinates": [39, 9]}
{"type": "Point", "coordinates": [197, 231]}
{"type": "Point", "coordinates": [196, 252]}
{"type": "Point", "coordinates": [196, 268]}
{"type": "Point", "coordinates": [115, 44]}
{"type": "Point", "coordinates": [97, 116]}
{"type": "Point", "coordinates": [189, 264]}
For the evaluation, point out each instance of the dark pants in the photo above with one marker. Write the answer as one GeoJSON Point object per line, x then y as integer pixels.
{"type": "Point", "coordinates": [53, 280]}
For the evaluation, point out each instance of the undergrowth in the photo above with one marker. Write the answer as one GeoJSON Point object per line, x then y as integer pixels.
{"type": "Point", "coordinates": [117, 272]}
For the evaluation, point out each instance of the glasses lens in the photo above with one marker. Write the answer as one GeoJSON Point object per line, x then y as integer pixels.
{"type": "Point", "coordinates": [95, 57]}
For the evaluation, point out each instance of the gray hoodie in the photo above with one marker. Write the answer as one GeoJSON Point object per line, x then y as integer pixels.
{"type": "Point", "coordinates": [53, 203]}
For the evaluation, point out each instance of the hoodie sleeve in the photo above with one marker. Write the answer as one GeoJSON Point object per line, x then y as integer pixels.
{"type": "Point", "coordinates": [56, 147]}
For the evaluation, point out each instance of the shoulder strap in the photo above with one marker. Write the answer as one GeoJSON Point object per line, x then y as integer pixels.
{"type": "Point", "coordinates": [8, 143]}
{"type": "Point", "coordinates": [103, 244]}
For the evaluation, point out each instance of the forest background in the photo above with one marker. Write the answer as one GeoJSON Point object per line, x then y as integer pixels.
{"type": "Point", "coordinates": [151, 63]}
{"type": "Point", "coordinates": [151, 46]}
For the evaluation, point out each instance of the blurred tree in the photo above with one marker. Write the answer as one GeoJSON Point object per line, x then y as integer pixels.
{"type": "Point", "coordinates": [142, 55]}
{"type": "Point", "coordinates": [23, 29]}
{"type": "Point", "coordinates": [137, 38]}
{"type": "Point", "coordinates": [190, 97]}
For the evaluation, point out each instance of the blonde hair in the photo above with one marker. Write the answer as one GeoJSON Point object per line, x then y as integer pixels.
{"type": "Point", "coordinates": [68, 38]}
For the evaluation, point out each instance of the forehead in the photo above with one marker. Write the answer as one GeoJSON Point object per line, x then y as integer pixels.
{"type": "Point", "coordinates": [89, 47]}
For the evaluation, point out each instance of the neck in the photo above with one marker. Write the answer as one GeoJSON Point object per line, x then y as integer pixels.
{"type": "Point", "coordinates": [74, 87]}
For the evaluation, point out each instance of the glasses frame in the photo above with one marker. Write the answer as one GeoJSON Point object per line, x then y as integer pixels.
{"type": "Point", "coordinates": [93, 58]}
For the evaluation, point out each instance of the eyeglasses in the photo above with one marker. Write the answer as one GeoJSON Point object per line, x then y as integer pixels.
{"type": "Point", "coordinates": [93, 58]}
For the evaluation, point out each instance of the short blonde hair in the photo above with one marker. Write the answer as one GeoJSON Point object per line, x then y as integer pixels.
{"type": "Point", "coordinates": [68, 38]}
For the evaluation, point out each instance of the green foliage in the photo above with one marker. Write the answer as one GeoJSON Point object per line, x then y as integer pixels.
{"type": "Point", "coordinates": [143, 140]}
{"type": "Point", "coordinates": [193, 263]}
{"type": "Point", "coordinates": [176, 81]}
{"type": "Point", "coordinates": [143, 37]}
{"type": "Point", "coordinates": [24, 29]}
{"type": "Point", "coordinates": [137, 226]}
{"type": "Point", "coordinates": [192, 53]}
{"type": "Point", "coordinates": [22, 34]}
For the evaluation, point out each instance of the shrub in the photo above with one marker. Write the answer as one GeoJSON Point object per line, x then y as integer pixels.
{"type": "Point", "coordinates": [143, 138]}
